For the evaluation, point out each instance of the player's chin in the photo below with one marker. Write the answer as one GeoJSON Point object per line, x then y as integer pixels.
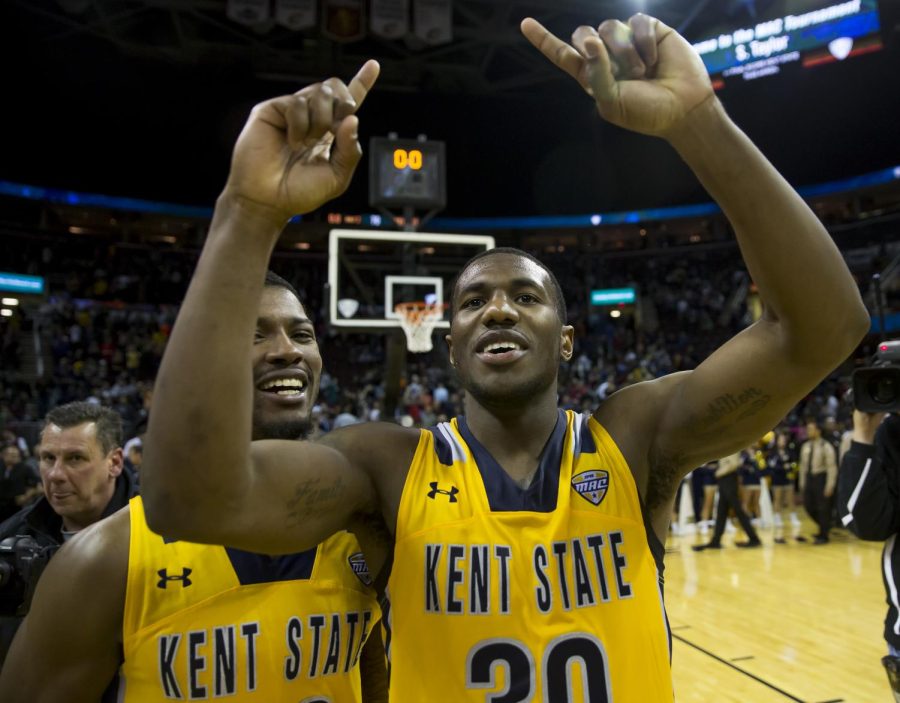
{"type": "Point", "coordinates": [294, 425]}
{"type": "Point", "coordinates": [500, 389]}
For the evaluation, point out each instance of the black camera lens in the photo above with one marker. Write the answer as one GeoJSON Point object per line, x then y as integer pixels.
{"type": "Point", "coordinates": [884, 389]}
{"type": "Point", "coordinates": [876, 389]}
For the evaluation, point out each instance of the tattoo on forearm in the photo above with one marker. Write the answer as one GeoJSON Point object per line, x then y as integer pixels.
{"type": "Point", "coordinates": [729, 408]}
{"type": "Point", "coordinates": [311, 498]}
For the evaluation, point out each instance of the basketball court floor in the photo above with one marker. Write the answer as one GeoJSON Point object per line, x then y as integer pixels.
{"type": "Point", "coordinates": [792, 622]}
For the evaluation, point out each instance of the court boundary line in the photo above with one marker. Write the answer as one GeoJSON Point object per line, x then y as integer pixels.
{"type": "Point", "coordinates": [737, 668]}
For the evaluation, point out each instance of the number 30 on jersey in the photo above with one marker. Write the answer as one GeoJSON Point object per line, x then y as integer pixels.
{"type": "Point", "coordinates": [518, 663]}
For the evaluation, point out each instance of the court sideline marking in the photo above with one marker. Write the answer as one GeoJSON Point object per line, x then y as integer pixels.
{"type": "Point", "coordinates": [737, 668]}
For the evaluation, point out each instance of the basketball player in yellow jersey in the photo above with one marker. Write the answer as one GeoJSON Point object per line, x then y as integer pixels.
{"type": "Point", "coordinates": [527, 541]}
{"type": "Point", "coordinates": [177, 620]}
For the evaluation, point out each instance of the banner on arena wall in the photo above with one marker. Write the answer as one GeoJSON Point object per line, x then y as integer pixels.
{"type": "Point", "coordinates": [613, 296]}
{"type": "Point", "coordinates": [249, 12]}
{"type": "Point", "coordinates": [343, 20]}
{"type": "Point", "coordinates": [21, 283]}
{"type": "Point", "coordinates": [433, 21]}
{"type": "Point", "coordinates": [827, 31]}
{"type": "Point", "coordinates": [389, 19]}
{"type": "Point", "coordinates": [296, 14]}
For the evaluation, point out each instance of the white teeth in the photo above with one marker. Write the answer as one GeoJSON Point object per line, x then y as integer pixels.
{"type": "Point", "coordinates": [284, 383]}
{"type": "Point", "coordinates": [502, 345]}
{"type": "Point", "coordinates": [294, 392]}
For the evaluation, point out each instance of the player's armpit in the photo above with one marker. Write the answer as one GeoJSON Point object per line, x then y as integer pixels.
{"type": "Point", "coordinates": [68, 649]}
{"type": "Point", "coordinates": [384, 452]}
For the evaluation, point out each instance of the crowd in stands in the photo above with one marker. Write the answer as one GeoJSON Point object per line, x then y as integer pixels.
{"type": "Point", "coordinates": [111, 309]}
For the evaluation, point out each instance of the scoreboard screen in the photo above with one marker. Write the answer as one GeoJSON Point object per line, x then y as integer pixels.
{"type": "Point", "coordinates": [407, 172]}
{"type": "Point", "coordinates": [815, 32]}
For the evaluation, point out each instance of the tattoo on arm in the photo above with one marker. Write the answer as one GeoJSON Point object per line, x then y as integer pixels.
{"type": "Point", "coordinates": [666, 470]}
{"type": "Point", "coordinates": [311, 498]}
{"type": "Point", "coordinates": [728, 409]}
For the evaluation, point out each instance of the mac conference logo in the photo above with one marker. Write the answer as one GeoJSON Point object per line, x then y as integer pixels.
{"type": "Point", "coordinates": [591, 485]}
{"type": "Point", "coordinates": [360, 568]}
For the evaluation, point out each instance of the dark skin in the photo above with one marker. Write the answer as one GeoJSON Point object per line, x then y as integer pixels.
{"type": "Point", "coordinates": [82, 592]}
{"type": "Point", "coordinates": [642, 76]}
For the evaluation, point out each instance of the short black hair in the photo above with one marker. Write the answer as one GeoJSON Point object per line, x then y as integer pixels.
{"type": "Point", "coordinates": [107, 420]}
{"type": "Point", "coordinates": [274, 280]}
{"type": "Point", "coordinates": [561, 312]}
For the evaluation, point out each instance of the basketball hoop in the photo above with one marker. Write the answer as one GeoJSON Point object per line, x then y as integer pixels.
{"type": "Point", "coordinates": [418, 321]}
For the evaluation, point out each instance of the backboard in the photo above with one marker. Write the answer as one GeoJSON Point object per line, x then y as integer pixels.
{"type": "Point", "coordinates": [371, 271]}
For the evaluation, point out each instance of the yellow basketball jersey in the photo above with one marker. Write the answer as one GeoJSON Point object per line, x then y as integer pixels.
{"type": "Point", "coordinates": [551, 593]}
{"type": "Point", "coordinates": [204, 622]}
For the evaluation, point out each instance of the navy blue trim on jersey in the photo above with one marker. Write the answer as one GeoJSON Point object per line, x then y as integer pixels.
{"type": "Point", "coordinates": [587, 444]}
{"type": "Point", "coordinates": [657, 548]}
{"type": "Point", "coordinates": [385, 602]}
{"type": "Point", "coordinates": [253, 568]}
{"type": "Point", "coordinates": [504, 494]}
{"type": "Point", "coordinates": [441, 447]}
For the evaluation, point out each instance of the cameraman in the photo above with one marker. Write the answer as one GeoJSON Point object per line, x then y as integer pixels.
{"type": "Point", "coordinates": [81, 471]}
{"type": "Point", "coordinates": [869, 504]}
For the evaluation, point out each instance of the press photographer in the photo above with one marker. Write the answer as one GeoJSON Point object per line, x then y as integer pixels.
{"type": "Point", "coordinates": [869, 481]}
{"type": "Point", "coordinates": [81, 466]}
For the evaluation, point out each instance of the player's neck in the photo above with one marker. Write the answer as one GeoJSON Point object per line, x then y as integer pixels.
{"type": "Point", "coordinates": [516, 436]}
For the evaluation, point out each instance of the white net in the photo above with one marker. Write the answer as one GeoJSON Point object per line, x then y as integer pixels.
{"type": "Point", "coordinates": [418, 321]}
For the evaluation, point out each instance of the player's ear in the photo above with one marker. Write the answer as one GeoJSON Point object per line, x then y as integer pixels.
{"type": "Point", "coordinates": [566, 342]}
{"type": "Point", "coordinates": [449, 340]}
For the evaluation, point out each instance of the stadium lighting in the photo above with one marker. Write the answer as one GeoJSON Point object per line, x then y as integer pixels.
{"type": "Point", "coordinates": [12, 302]}
{"type": "Point", "coordinates": [6, 312]}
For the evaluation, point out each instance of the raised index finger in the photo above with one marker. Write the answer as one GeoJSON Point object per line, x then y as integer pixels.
{"type": "Point", "coordinates": [363, 81]}
{"type": "Point", "coordinates": [554, 48]}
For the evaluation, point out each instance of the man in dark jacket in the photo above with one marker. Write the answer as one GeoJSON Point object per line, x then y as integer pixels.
{"type": "Point", "coordinates": [81, 466]}
{"type": "Point", "coordinates": [869, 505]}
{"type": "Point", "coordinates": [18, 483]}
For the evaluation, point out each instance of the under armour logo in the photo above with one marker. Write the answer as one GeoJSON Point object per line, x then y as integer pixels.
{"type": "Point", "coordinates": [451, 494]}
{"type": "Point", "coordinates": [164, 578]}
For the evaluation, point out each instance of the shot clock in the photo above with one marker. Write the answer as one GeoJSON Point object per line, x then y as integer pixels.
{"type": "Point", "coordinates": [407, 173]}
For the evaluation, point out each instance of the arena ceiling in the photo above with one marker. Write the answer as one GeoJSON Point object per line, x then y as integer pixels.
{"type": "Point", "coordinates": [486, 55]}
{"type": "Point", "coordinates": [144, 98]}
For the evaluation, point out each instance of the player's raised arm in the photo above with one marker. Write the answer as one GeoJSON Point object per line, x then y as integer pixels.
{"type": "Point", "coordinates": [644, 76]}
{"type": "Point", "coordinates": [200, 479]}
